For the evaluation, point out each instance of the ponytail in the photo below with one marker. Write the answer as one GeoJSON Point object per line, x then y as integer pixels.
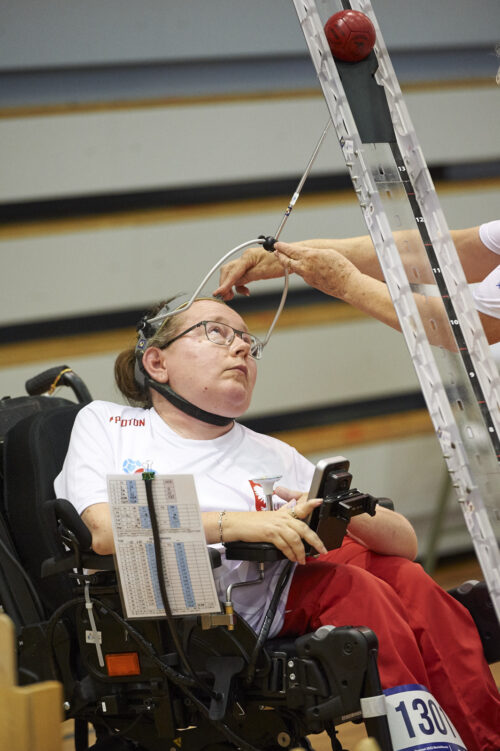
{"type": "Point", "coordinates": [136, 395]}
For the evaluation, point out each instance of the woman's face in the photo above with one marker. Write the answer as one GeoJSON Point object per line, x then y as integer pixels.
{"type": "Point", "coordinates": [214, 377]}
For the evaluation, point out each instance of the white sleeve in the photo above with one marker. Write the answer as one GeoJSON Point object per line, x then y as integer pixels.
{"type": "Point", "coordinates": [301, 474]}
{"type": "Point", "coordinates": [304, 470]}
{"type": "Point", "coordinates": [487, 294]}
{"type": "Point", "coordinates": [82, 480]}
{"type": "Point", "coordinates": [490, 235]}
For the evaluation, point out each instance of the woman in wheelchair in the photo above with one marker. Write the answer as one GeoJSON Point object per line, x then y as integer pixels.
{"type": "Point", "coordinates": [189, 376]}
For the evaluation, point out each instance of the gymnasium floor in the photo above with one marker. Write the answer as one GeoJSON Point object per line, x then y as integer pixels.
{"type": "Point", "coordinates": [447, 576]}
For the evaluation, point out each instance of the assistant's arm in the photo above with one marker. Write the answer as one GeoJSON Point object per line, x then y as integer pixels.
{"type": "Point", "coordinates": [257, 263]}
{"type": "Point", "coordinates": [359, 284]}
{"type": "Point", "coordinates": [476, 259]}
{"type": "Point", "coordinates": [333, 274]}
{"type": "Point", "coordinates": [349, 270]}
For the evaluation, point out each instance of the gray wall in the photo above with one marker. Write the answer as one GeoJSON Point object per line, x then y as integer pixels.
{"type": "Point", "coordinates": [72, 32]}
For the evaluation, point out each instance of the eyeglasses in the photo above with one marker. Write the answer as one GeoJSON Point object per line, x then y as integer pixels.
{"type": "Point", "coordinates": [223, 334]}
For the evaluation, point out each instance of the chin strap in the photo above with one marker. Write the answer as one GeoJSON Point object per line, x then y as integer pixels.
{"type": "Point", "coordinates": [144, 380]}
{"type": "Point", "coordinates": [187, 407]}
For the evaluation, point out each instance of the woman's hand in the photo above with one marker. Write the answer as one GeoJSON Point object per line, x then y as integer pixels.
{"type": "Point", "coordinates": [283, 528]}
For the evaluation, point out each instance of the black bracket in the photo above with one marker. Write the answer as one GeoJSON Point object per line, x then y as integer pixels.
{"type": "Point", "coordinates": [223, 668]}
{"type": "Point", "coordinates": [268, 243]}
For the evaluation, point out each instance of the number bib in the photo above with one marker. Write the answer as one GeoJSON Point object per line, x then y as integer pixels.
{"type": "Point", "coordinates": [418, 723]}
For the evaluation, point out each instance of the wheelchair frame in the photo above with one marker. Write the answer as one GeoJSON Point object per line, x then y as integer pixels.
{"type": "Point", "coordinates": [299, 686]}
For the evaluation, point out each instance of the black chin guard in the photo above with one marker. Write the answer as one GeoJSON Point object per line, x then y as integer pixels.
{"type": "Point", "coordinates": [143, 379]}
{"type": "Point", "coordinates": [187, 407]}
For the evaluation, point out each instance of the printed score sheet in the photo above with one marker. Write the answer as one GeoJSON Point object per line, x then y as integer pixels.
{"type": "Point", "coordinates": [187, 571]}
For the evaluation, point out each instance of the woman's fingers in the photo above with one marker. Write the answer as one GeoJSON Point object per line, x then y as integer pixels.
{"type": "Point", "coordinates": [286, 493]}
{"type": "Point", "coordinates": [312, 538]}
{"type": "Point", "coordinates": [281, 528]}
{"type": "Point", "coordinates": [302, 507]}
{"type": "Point", "coordinates": [290, 538]}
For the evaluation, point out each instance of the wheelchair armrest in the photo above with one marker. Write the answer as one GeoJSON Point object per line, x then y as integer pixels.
{"type": "Point", "coordinates": [63, 517]}
{"type": "Point", "coordinates": [252, 551]}
{"type": "Point", "coordinates": [69, 561]}
{"type": "Point", "coordinates": [214, 555]}
{"type": "Point", "coordinates": [386, 503]}
{"type": "Point", "coordinates": [69, 523]}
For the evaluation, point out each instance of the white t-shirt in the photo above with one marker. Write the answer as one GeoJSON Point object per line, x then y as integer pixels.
{"type": "Point", "coordinates": [487, 293]}
{"type": "Point", "coordinates": [110, 438]}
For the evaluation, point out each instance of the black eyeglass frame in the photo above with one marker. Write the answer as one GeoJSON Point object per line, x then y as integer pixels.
{"type": "Point", "coordinates": [256, 346]}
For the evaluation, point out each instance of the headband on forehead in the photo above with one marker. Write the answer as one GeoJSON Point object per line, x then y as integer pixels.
{"type": "Point", "coordinates": [150, 326]}
{"type": "Point", "coordinates": [170, 308]}
{"type": "Point", "coordinates": [147, 328]}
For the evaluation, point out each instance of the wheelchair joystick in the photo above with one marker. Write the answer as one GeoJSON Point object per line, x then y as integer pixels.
{"type": "Point", "coordinates": [267, 484]}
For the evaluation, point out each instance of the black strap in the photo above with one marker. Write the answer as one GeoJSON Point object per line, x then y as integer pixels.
{"type": "Point", "coordinates": [190, 409]}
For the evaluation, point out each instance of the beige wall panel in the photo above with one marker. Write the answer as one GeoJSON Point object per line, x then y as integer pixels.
{"type": "Point", "coordinates": [303, 368]}
{"type": "Point", "coordinates": [126, 150]}
{"type": "Point", "coordinates": [48, 34]}
{"type": "Point", "coordinates": [123, 265]}
{"type": "Point", "coordinates": [340, 363]}
{"type": "Point", "coordinates": [78, 153]}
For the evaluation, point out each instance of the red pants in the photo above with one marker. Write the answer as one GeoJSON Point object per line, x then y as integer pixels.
{"type": "Point", "coordinates": [425, 636]}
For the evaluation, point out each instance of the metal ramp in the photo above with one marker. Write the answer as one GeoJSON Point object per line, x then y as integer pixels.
{"type": "Point", "coordinates": [458, 376]}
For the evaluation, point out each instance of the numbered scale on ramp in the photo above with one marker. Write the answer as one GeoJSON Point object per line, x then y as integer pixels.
{"type": "Point", "coordinates": [457, 374]}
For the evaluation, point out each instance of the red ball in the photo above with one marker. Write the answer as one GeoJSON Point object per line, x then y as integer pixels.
{"type": "Point", "coordinates": [350, 34]}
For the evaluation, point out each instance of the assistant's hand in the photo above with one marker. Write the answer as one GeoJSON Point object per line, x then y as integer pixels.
{"type": "Point", "coordinates": [254, 264]}
{"type": "Point", "coordinates": [323, 268]}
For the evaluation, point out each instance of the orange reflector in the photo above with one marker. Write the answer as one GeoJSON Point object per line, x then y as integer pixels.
{"type": "Point", "coordinates": [123, 663]}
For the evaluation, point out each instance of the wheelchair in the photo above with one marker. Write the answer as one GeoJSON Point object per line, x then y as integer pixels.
{"type": "Point", "coordinates": [162, 684]}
